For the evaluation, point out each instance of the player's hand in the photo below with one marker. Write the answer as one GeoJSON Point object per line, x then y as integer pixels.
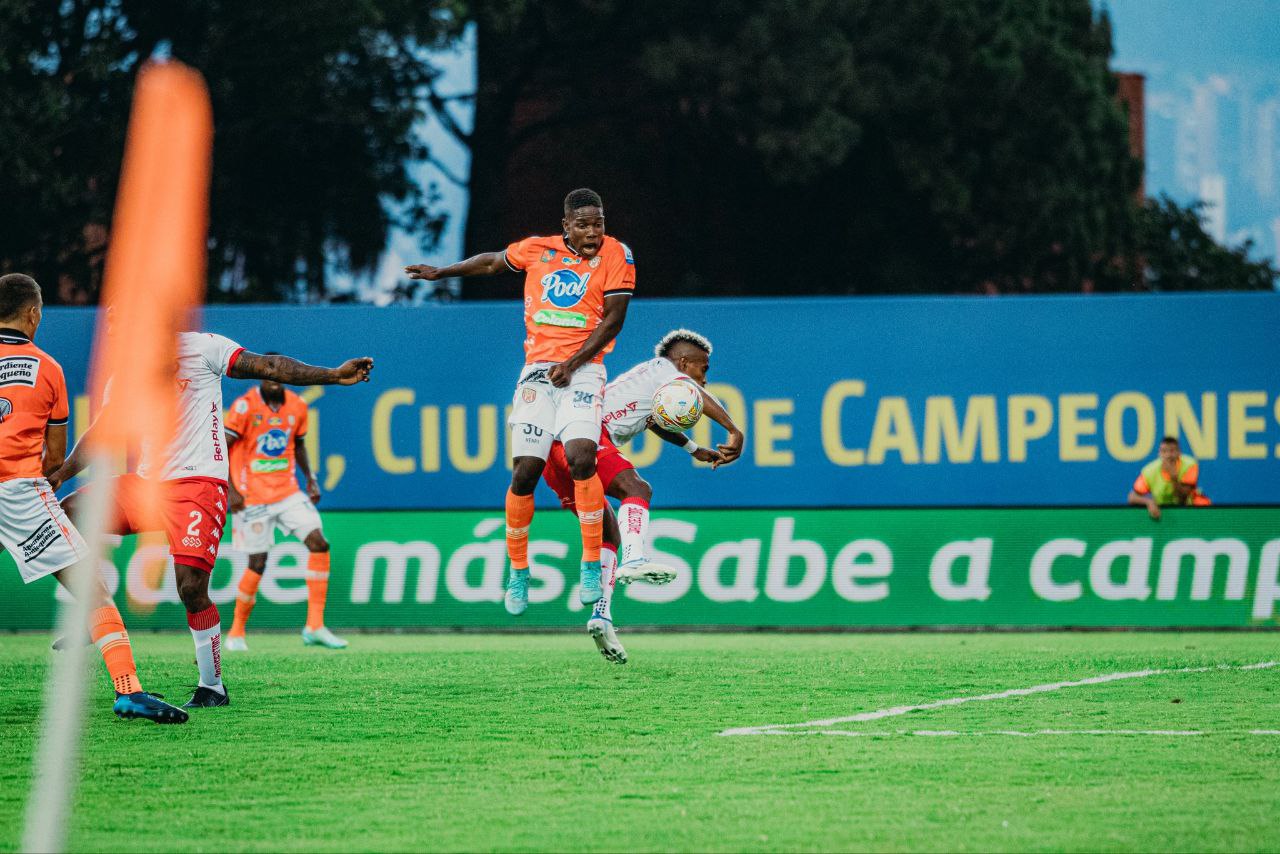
{"type": "Point", "coordinates": [235, 502]}
{"type": "Point", "coordinates": [423, 271]}
{"type": "Point", "coordinates": [56, 478]}
{"type": "Point", "coordinates": [313, 490]}
{"type": "Point", "coordinates": [354, 371]}
{"type": "Point", "coordinates": [561, 374]}
{"type": "Point", "coordinates": [732, 449]}
{"type": "Point", "coordinates": [706, 455]}
{"type": "Point", "coordinates": [1153, 510]}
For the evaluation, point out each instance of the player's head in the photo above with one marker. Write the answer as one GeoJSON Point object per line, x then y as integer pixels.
{"type": "Point", "coordinates": [20, 303]}
{"type": "Point", "coordinates": [688, 351]}
{"type": "Point", "coordinates": [271, 388]}
{"type": "Point", "coordinates": [1169, 448]}
{"type": "Point", "coordinates": [584, 221]}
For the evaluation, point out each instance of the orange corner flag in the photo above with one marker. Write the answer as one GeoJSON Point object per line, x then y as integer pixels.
{"type": "Point", "coordinates": [155, 268]}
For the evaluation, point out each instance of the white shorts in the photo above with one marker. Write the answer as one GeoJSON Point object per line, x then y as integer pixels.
{"type": "Point", "coordinates": [542, 413]}
{"type": "Point", "coordinates": [34, 529]}
{"type": "Point", "coordinates": [253, 528]}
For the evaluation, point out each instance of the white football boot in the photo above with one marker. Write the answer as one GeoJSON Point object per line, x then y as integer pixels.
{"type": "Point", "coordinates": [601, 631]}
{"type": "Point", "coordinates": [642, 569]}
{"type": "Point", "coordinates": [234, 643]}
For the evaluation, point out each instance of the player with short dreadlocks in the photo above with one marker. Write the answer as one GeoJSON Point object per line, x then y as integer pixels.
{"type": "Point", "coordinates": [628, 408]}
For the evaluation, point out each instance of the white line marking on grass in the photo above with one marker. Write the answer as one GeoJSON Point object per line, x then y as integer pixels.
{"type": "Point", "coordinates": [896, 711]}
{"type": "Point", "coordinates": [934, 733]}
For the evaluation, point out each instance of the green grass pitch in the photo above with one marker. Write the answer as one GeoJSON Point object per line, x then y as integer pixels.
{"type": "Point", "coordinates": [534, 743]}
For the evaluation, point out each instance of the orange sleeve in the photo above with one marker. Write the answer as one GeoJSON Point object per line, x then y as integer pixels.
{"type": "Point", "coordinates": [301, 429]}
{"type": "Point", "coordinates": [521, 254]}
{"type": "Point", "coordinates": [237, 417]}
{"type": "Point", "coordinates": [59, 411]}
{"type": "Point", "coordinates": [1191, 475]}
{"type": "Point", "coordinates": [622, 270]}
{"type": "Point", "coordinates": [1140, 485]}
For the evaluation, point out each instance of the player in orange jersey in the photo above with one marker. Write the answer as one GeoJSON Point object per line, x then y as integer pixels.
{"type": "Point", "coordinates": [577, 288]}
{"type": "Point", "coordinates": [193, 470]}
{"type": "Point", "coordinates": [266, 436]}
{"type": "Point", "coordinates": [33, 527]}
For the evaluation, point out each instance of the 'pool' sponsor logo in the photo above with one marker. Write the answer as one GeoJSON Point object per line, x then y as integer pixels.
{"type": "Point", "coordinates": [273, 443]}
{"type": "Point", "coordinates": [564, 288]}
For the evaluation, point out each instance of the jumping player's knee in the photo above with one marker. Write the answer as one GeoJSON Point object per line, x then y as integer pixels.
{"type": "Point", "coordinates": [629, 484]}
{"type": "Point", "coordinates": [258, 563]}
{"type": "Point", "coordinates": [580, 454]}
{"type": "Point", "coordinates": [525, 472]}
{"type": "Point", "coordinates": [315, 542]}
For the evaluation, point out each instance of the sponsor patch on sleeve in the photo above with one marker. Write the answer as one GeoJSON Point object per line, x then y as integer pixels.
{"type": "Point", "coordinates": [19, 370]}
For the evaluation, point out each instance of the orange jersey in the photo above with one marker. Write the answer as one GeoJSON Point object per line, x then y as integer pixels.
{"type": "Point", "coordinates": [264, 459]}
{"type": "Point", "coordinates": [33, 396]}
{"type": "Point", "coordinates": [564, 293]}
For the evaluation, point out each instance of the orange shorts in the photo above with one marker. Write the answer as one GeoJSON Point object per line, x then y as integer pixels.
{"type": "Point", "coordinates": [609, 464]}
{"type": "Point", "coordinates": [194, 510]}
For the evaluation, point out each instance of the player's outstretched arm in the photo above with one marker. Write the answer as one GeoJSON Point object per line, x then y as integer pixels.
{"type": "Point", "coordinates": [615, 314]}
{"type": "Point", "coordinates": [731, 449]}
{"type": "Point", "coordinates": [484, 264]}
{"type": "Point", "coordinates": [282, 369]}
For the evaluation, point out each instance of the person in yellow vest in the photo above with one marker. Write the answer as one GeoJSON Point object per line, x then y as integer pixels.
{"type": "Point", "coordinates": [1171, 479]}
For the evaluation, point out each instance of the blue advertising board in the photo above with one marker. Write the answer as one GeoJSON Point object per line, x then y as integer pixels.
{"type": "Point", "coordinates": [845, 401]}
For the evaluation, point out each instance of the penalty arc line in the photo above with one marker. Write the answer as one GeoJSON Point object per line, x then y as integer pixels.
{"type": "Point", "coordinates": [896, 711]}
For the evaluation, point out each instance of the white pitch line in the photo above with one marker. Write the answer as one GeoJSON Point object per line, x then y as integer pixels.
{"type": "Point", "coordinates": [933, 733]}
{"type": "Point", "coordinates": [896, 711]}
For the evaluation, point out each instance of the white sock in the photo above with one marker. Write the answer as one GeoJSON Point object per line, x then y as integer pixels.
{"type": "Point", "coordinates": [608, 569]}
{"type": "Point", "coordinates": [208, 643]}
{"type": "Point", "coordinates": [633, 519]}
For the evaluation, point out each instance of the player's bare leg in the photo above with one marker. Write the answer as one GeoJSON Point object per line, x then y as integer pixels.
{"type": "Point", "coordinates": [635, 494]}
{"type": "Point", "coordinates": [525, 472]}
{"type": "Point", "coordinates": [588, 498]}
{"type": "Point", "coordinates": [315, 633]}
{"type": "Point", "coordinates": [600, 625]}
{"type": "Point", "coordinates": [246, 598]}
{"type": "Point", "coordinates": [206, 632]}
{"type": "Point", "coordinates": [107, 632]}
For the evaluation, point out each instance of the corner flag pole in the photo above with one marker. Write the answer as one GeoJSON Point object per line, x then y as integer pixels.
{"type": "Point", "coordinates": [154, 281]}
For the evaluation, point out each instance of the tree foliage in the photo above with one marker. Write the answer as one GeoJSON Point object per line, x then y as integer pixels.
{"type": "Point", "coordinates": [816, 146]}
{"type": "Point", "coordinates": [1178, 255]}
{"type": "Point", "coordinates": [314, 102]}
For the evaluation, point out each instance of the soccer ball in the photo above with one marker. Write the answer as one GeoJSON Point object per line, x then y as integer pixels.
{"type": "Point", "coordinates": [677, 406]}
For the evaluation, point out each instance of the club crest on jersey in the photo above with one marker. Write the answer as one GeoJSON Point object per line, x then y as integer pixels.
{"type": "Point", "coordinates": [528, 395]}
{"type": "Point", "coordinates": [564, 288]}
{"type": "Point", "coordinates": [273, 443]}
{"type": "Point", "coordinates": [594, 262]}
{"type": "Point", "coordinates": [548, 256]}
